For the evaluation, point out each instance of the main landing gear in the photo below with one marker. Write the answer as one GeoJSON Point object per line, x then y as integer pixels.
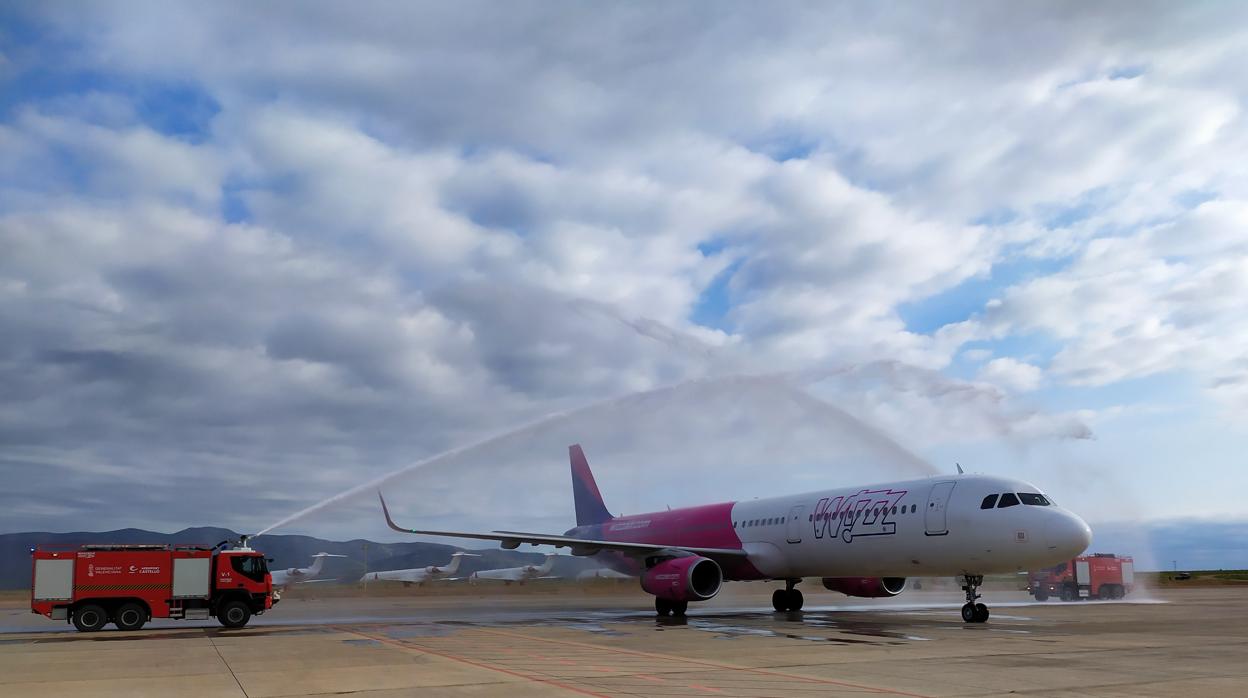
{"type": "Point", "coordinates": [788, 598]}
{"type": "Point", "coordinates": [973, 612]}
{"type": "Point", "coordinates": [663, 607]}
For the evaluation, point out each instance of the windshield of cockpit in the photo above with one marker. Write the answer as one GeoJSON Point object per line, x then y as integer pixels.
{"type": "Point", "coordinates": [1012, 499]}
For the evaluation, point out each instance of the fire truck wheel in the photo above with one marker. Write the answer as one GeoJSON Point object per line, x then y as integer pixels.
{"type": "Point", "coordinates": [1042, 595]}
{"type": "Point", "coordinates": [234, 614]}
{"type": "Point", "coordinates": [90, 618]}
{"type": "Point", "coordinates": [131, 616]}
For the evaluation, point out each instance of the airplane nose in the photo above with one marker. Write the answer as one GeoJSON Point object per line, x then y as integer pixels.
{"type": "Point", "coordinates": [1067, 533]}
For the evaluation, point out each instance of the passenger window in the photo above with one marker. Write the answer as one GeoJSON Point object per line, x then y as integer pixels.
{"type": "Point", "coordinates": [1031, 499]}
{"type": "Point", "coordinates": [914, 508]}
{"type": "Point", "coordinates": [1007, 500]}
{"type": "Point", "coordinates": [989, 502]}
{"type": "Point", "coordinates": [894, 510]}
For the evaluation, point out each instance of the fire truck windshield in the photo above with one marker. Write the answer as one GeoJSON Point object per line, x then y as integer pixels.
{"type": "Point", "coordinates": [250, 566]}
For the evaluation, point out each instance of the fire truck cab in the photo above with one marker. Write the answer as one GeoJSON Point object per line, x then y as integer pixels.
{"type": "Point", "coordinates": [128, 585]}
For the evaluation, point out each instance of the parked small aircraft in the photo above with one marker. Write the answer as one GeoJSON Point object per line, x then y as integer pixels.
{"type": "Point", "coordinates": [298, 575]}
{"type": "Point", "coordinates": [418, 575]}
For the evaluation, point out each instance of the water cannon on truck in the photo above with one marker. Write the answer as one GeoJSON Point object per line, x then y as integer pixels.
{"type": "Point", "coordinates": [128, 585]}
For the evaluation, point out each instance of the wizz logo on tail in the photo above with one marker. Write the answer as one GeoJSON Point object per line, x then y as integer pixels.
{"type": "Point", "coordinates": [867, 513]}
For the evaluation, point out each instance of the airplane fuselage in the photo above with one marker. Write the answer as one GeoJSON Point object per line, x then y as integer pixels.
{"type": "Point", "coordinates": [930, 527]}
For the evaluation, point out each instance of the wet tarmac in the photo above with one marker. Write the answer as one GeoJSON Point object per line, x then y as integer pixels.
{"type": "Point", "coordinates": [1184, 642]}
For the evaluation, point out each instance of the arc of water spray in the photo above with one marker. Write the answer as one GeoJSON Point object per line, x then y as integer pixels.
{"type": "Point", "coordinates": [800, 397]}
{"type": "Point", "coordinates": [460, 450]}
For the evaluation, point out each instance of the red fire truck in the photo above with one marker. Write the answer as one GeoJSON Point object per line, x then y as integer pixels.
{"type": "Point", "coordinates": [1097, 576]}
{"type": "Point", "coordinates": [128, 585]}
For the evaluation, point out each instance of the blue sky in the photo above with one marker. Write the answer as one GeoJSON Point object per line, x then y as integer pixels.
{"type": "Point", "coordinates": [297, 251]}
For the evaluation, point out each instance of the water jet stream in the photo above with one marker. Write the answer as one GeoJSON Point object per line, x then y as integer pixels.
{"type": "Point", "coordinates": [783, 381]}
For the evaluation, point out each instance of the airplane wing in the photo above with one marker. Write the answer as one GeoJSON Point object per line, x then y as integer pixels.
{"type": "Point", "coordinates": [579, 546]}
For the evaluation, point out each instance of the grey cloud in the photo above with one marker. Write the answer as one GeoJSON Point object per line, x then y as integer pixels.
{"type": "Point", "coordinates": [462, 218]}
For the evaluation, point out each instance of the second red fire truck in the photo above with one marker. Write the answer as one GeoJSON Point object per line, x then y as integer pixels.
{"type": "Point", "coordinates": [1098, 576]}
{"type": "Point", "coordinates": [127, 585]}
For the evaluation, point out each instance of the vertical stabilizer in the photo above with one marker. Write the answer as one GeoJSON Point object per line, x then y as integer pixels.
{"type": "Point", "coordinates": [589, 507]}
{"type": "Point", "coordinates": [453, 566]}
{"type": "Point", "coordinates": [547, 566]}
{"type": "Point", "coordinates": [318, 562]}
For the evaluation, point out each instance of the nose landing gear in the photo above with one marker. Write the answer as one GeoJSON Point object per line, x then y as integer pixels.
{"type": "Point", "coordinates": [973, 612]}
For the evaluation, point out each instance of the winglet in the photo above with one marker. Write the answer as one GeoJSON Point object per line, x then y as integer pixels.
{"type": "Point", "coordinates": [960, 470]}
{"type": "Point", "coordinates": [389, 521]}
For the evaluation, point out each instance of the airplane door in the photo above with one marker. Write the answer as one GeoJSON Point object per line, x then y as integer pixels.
{"type": "Point", "coordinates": [937, 504]}
{"type": "Point", "coordinates": [795, 523]}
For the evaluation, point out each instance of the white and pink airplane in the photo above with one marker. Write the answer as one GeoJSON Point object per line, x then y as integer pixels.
{"type": "Point", "coordinates": [862, 541]}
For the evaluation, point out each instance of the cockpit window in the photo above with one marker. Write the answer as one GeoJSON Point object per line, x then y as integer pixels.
{"type": "Point", "coordinates": [989, 502]}
{"type": "Point", "coordinates": [1035, 500]}
{"type": "Point", "coordinates": [1007, 500]}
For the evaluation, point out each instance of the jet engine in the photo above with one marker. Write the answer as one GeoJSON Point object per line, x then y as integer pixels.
{"type": "Point", "coordinates": [866, 587]}
{"type": "Point", "coordinates": [691, 578]}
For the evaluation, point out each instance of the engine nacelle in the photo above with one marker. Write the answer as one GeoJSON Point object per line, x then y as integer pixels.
{"type": "Point", "coordinates": [689, 578]}
{"type": "Point", "coordinates": [866, 587]}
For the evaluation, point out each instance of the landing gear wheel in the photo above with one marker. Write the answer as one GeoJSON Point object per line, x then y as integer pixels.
{"type": "Point", "coordinates": [795, 600]}
{"type": "Point", "coordinates": [90, 618]}
{"type": "Point", "coordinates": [234, 614]}
{"type": "Point", "coordinates": [663, 607]}
{"type": "Point", "coordinates": [679, 608]}
{"type": "Point", "coordinates": [131, 616]}
{"type": "Point", "coordinates": [780, 600]}
{"type": "Point", "coordinates": [788, 598]}
{"type": "Point", "coordinates": [973, 612]}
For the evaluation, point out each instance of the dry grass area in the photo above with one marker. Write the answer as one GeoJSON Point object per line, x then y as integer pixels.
{"type": "Point", "coordinates": [15, 598]}
{"type": "Point", "coordinates": [1199, 578]}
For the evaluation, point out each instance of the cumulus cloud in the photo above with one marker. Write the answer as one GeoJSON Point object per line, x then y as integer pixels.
{"type": "Point", "coordinates": [295, 252]}
{"type": "Point", "coordinates": [1011, 374]}
{"type": "Point", "coordinates": [1167, 298]}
